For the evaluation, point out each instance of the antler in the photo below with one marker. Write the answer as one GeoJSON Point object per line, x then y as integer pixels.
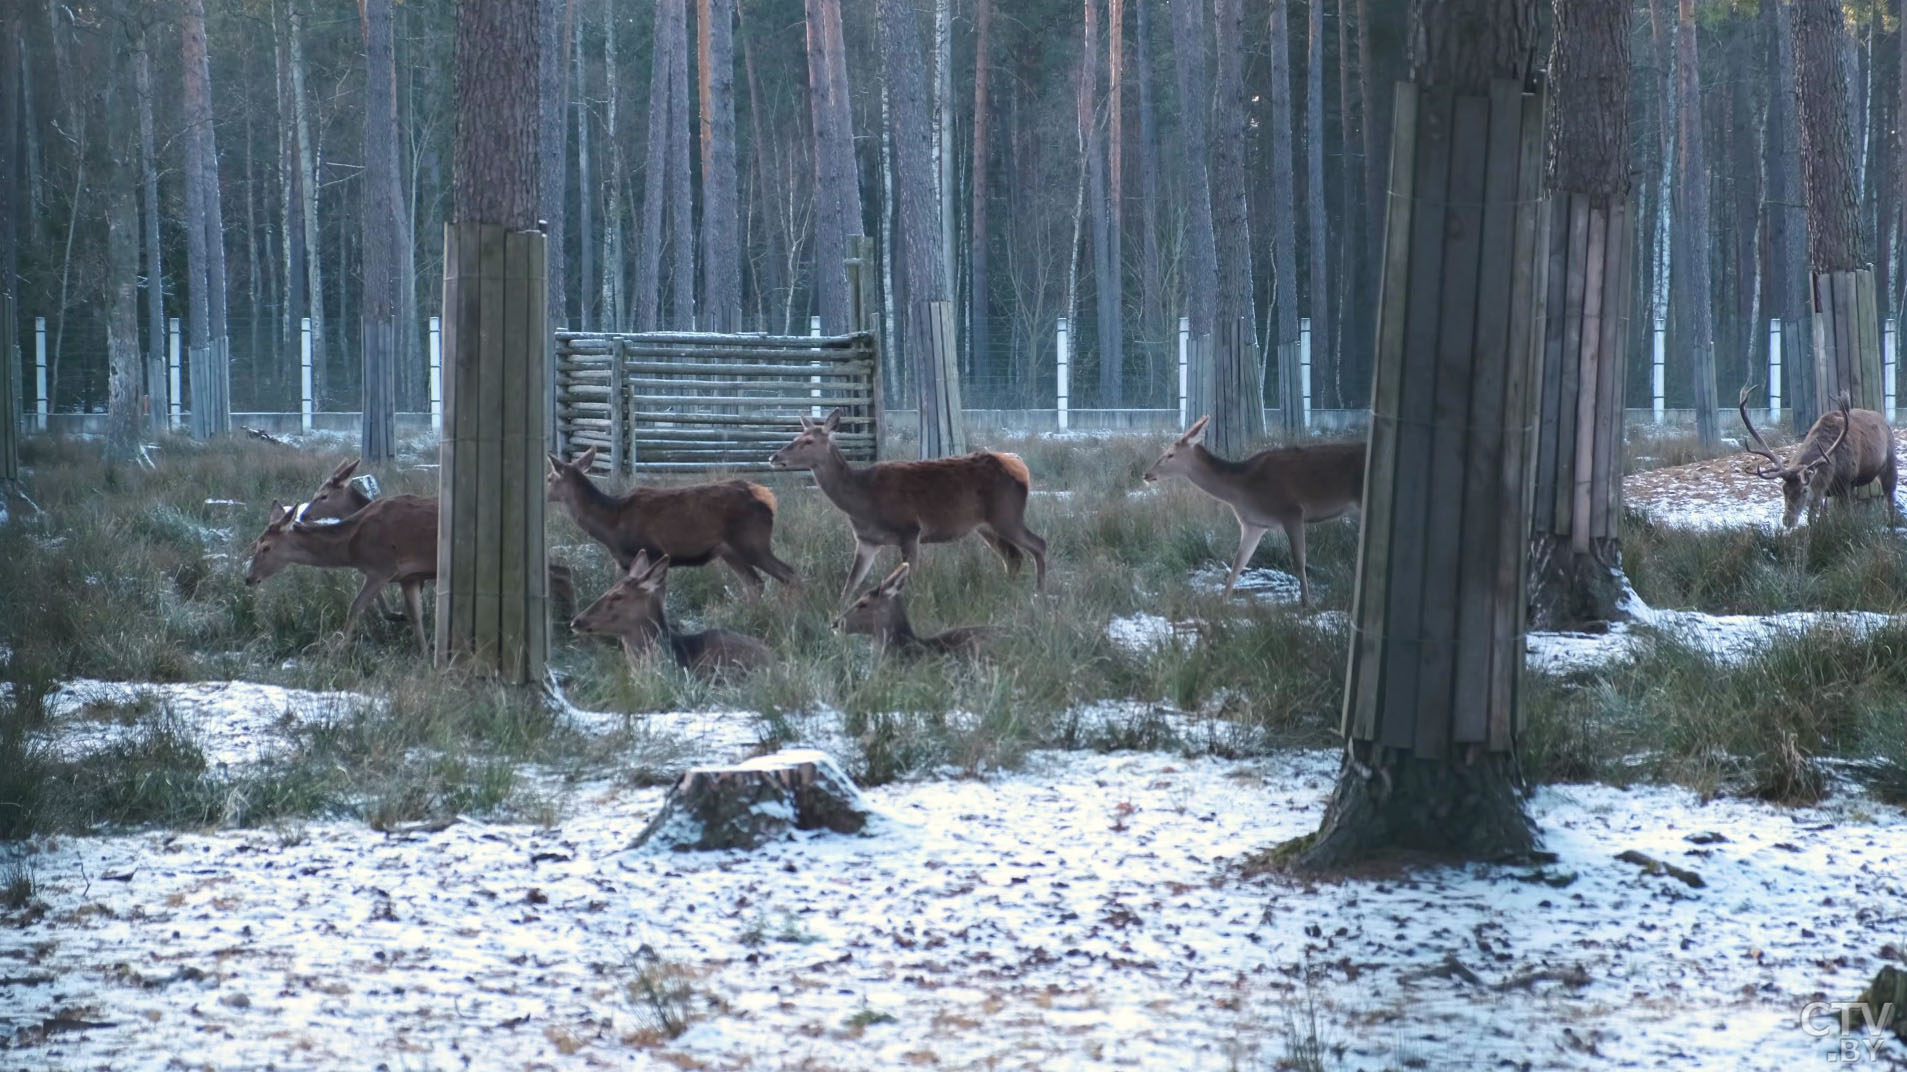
{"type": "Point", "coordinates": [1761, 471]}
{"type": "Point", "coordinates": [1828, 454]}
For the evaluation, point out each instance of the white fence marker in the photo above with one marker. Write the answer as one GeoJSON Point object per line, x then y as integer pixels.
{"type": "Point", "coordinates": [304, 392]}
{"type": "Point", "coordinates": [1774, 370]}
{"type": "Point", "coordinates": [437, 375]}
{"type": "Point", "coordinates": [1661, 340]}
{"type": "Point", "coordinates": [40, 406]}
{"type": "Point", "coordinates": [172, 363]}
{"type": "Point", "coordinates": [1890, 362]}
{"type": "Point", "coordinates": [1063, 354]}
{"type": "Point", "coordinates": [814, 332]}
{"type": "Point", "coordinates": [1185, 398]}
{"type": "Point", "coordinates": [1304, 365]}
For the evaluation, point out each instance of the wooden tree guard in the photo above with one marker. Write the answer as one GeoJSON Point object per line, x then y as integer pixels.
{"type": "Point", "coordinates": [1236, 394]}
{"type": "Point", "coordinates": [1439, 603]}
{"type": "Point", "coordinates": [1199, 351]}
{"type": "Point", "coordinates": [1290, 389]}
{"type": "Point", "coordinates": [492, 583]}
{"type": "Point", "coordinates": [209, 371]}
{"type": "Point", "coordinates": [9, 389]}
{"type": "Point", "coordinates": [1847, 345]}
{"type": "Point", "coordinates": [943, 431]}
{"type": "Point", "coordinates": [752, 803]}
{"type": "Point", "coordinates": [864, 292]}
{"type": "Point", "coordinates": [1577, 510]}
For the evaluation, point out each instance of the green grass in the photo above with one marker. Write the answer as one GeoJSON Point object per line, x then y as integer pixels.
{"type": "Point", "coordinates": [1843, 559]}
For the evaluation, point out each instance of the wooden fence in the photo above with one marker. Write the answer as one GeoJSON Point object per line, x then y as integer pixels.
{"type": "Point", "coordinates": [663, 401]}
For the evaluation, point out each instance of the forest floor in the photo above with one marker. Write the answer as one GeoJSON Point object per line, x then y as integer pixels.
{"type": "Point", "coordinates": [1088, 900]}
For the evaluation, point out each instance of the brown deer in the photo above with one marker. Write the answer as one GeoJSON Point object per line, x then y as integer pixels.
{"type": "Point", "coordinates": [882, 614]}
{"type": "Point", "coordinates": [1820, 469]}
{"type": "Point", "coordinates": [906, 504]}
{"type": "Point", "coordinates": [632, 611]}
{"type": "Point", "coordinates": [390, 541]}
{"type": "Point", "coordinates": [339, 497]}
{"type": "Point", "coordinates": [1290, 487]}
{"type": "Point", "coordinates": [733, 520]}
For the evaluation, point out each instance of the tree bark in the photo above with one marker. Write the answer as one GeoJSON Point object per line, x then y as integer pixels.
{"type": "Point", "coordinates": [1105, 270]}
{"type": "Point", "coordinates": [1112, 354]}
{"type": "Point", "coordinates": [1689, 276]}
{"type": "Point", "coordinates": [11, 187]}
{"type": "Point", "coordinates": [552, 89]}
{"type": "Point", "coordinates": [1827, 144]}
{"type": "Point", "coordinates": [158, 389]}
{"type": "Point", "coordinates": [1787, 219]}
{"type": "Point", "coordinates": [382, 228]}
{"type": "Point", "coordinates": [944, 135]}
{"type": "Point", "coordinates": [123, 420]}
{"type": "Point", "coordinates": [1430, 706]}
{"type": "Point", "coordinates": [721, 229]}
{"type": "Point", "coordinates": [837, 190]}
{"type": "Point", "coordinates": [1284, 242]}
{"type": "Point", "coordinates": [979, 328]}
{"type": "Point", "coordinates": [680, 203]}
{"type": "Point", "coordinates": [307, 194]}
{"type": "Point", "coordinates": [1195, 151]}
{"type": "Point", "coordinates": [205, 234]}
{"type": "Point", "coordinates": [585, 177]}
{"type": "Point", "coordinates": [1238, 417]}
{"type": "Point", "coordinates": [1151, 281]}
{"type": "Point", "coordinates": [648, 286]}
{"type": "Point", "coordinates": [1323, 346]}
{"type": "Point", "coordinates": [609, 306]}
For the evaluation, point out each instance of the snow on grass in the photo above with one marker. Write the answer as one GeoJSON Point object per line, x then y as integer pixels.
{"type": "Point", "coordinates": [231, 722]}
{"type": "Point", "coordinates": [1717, 493]}
{"type": "Point", "coordinates": [1085, 913]}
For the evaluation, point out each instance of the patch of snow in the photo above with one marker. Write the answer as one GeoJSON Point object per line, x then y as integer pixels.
{"type": "Point", "coordinates": [1729, 639]}
{"type": "Point", "coordinates": [1142, 632]}
{"type": "Point", "coordinates": [1276, 586]}
{"type": "Point", "coordinates": [231, 722]}
{"type": "Point", "coordinates": [1084, 913]}
{"type": "Point", "coordinates": [224, 502]}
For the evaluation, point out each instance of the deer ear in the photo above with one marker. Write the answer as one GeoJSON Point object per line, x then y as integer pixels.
{"type": "Point", "coordinates": [1196, 433]}
{"type": "Point", "coordinates": [834, 420]}
{"type": "Point", "coordinates": [277, 515]}
{"type": "Point", "coordinates": [637, 566]}
{"type": "Point", "coordinates": [896, 580]}
{"type": "Point", "coordinates": [344, 470]}
{"type": "Point", "coordinates": [588, 459]}
{"type": "Point", "coordinates": [556, 463]}
{"type": "Point", "coordinates": [806, 424]}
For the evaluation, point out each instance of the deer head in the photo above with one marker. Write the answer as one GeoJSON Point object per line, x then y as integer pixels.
{"type": "Point", "coordinates": [1805, 483]}
{"type": "Point", "coordinates": [809, 448]}
{"type": "Point", "coordinates": [271, 552]}
{"type": "Point", "coordinates": [632, 607]}
{"type": "Point", "coordinates": [561, 483]}
{"type": "Point", "coordinates": [1176, 460]}
{"type": "Point", "coordinates": [335, 498]}
{"type": "Point", "coordinates": [879, 612]}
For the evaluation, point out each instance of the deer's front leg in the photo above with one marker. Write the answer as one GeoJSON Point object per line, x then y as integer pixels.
{"type": "Point", "coordinates": [864, 553]}
{"type": "Point", "coordinates": [1248, 537]}
{"type": "Point", "coordinates": [373, 583]}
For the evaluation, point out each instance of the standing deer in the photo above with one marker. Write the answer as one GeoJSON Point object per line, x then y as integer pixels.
{"type": "Point", "coordinates": [733, 520]}
{"type": "Point", "coordinates": [1290, 487]}
{"type": "Point", "coordinates": [1816, 472]}
{"type": "Point", "coordinates": [882, 614]}
{"type": "Point", "coordinates": [390, 541]}
{"type": "Point", "coordinates": [632, 611]}
{"type": "Point", "coordinates": [340, 496]}
{"type": "Point", "coordinates": [906, 504]}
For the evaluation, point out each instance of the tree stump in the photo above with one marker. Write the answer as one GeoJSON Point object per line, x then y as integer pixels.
{"type": "Point", "coordinates": [749, 804]}
{"type": "Point", "coordinates": [1886, 1001]}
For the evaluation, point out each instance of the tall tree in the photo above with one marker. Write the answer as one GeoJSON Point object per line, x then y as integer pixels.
{"type": "Point", "coordinates": [585, 175]}
{"type": "Point", "coordinates": [648, 285]}
{"type": "Point", "coordinates": [1113, 352]}
{"type": "Point", "coordinates": [1323, 346]}
{"type": "Point", "coordinates": [836, 178]}
{"type": "Point", "coordinates": [123, 375]}
{"type": "Point", "coordinates": [1238, 415]}
{"type": "Point", "coordinates": [1430, 701]}
{"type": "Point", "coordinates": [979, 324]}
{"type": "Point", "coordinates": [1195, 183]}
{"type": "Point", "coordinates": [492, 582]}
{"type": "Point", "coordinates": [1152, 296]}
{"type": "Point", "coordinates": [923, 266]}
{"type": "Point", "coordinates": [610, 305]}
{"type": "Point", "coordinates": [1787, 215]}
{"type": "Point", "coordinates": [721, 223]}
{"type": "Point", "coordinates": [157, 392]}
{"type": "Point", "coordinates": [681, 209]}
{"type": "Point", "coordinates": [382, 227]}
{"type": "Point", "coordinates": [552, 93]}
{"type": "Point", "coordinates": [11, 29]}
{"type": "Point", "coordinates": [307, 192]}
{"type": "Point", "coordinates": [205, 237]}
{"type": "Point", "coordinates": [1105, 268]}
{"type": "Point", "coordinates": [1284, 242]}
{"type": "Point", "coordinates": [944, 133]}
{"type": "Point", "coordinates": [1689, 275]}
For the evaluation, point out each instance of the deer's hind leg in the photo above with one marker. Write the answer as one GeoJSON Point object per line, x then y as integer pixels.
{"type": "Point", "coordinates": [373, 584]}
{"type": "Point", "coordinates": [414, 604]}
{"type": "Point", "coordinates": [1294, 532]}
{"type": "Point", "coordinates": [735, 561]}
{"type": "Point", "coordinates": [1010, 555]}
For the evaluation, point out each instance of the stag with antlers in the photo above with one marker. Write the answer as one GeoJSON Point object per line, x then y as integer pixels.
{"type": "Point", "coordinates": [1844, 450]}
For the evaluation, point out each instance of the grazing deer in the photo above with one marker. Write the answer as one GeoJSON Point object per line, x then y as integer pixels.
{"type": "Point", "coordinates": [1820, 469]}
{"type": "Point", "coordinates": [906, 504]}
{"type": "Point", "coordinates": [733, 520]}
{"type": "Point", "coordinates": [340, 496]}
{"type": "Point", "coordinates": [632, 611]}
{"type": "Point", "coordinates": [1290, 487]}
{"type": "Point", "coordinates": [882, 614]}
{"type": "Point", "coordinates": [390, 541]}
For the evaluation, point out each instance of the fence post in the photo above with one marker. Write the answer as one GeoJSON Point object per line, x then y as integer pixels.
{"type": "Point", "coordinates": [172, 368]}
{"type": "Point", "coordinates": [437, 375]}
{"type": "Point", "coordinates": [1304, 366]}
{"type": "Point", "coordinates": [1655, 372]}
{"type": "Point", "coordinates": [1185, 387]}
{"type": "Point", "coordinates": [40, 407]}
{"type": "Point", "coordinates": [305, 405]}
{"type": "Point", "coordinates": [814, 332]}
{"type": "Point", "coordinates": [1890, 362]}
{"type": "Point", "coordinates": [1774, 368]}
{"type": "Point", "coordinates": [1063, 383]}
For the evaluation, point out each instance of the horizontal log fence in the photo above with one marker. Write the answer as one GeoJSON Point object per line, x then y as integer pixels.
{"type": "Point", "coordinates": [674, 401]}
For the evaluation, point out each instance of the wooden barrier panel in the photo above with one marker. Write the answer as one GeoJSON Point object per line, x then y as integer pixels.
{"type": "Point", "coordinates": [676, 401]}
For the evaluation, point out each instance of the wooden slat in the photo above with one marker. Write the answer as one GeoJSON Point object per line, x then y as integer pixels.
{"type": "Point", "coordinates": [756, 368]}
{"type": "Point", "coordinates": [1569, 383]}
{"type": "Point", "coordinates": [766, 420]}
{"type": "Point", "coordinates": [1364, 693]}
{"type": "Point", "coordinates": [1491, 422]}
{"type": "Point", "coordinates": [520, 340]}
{"type": "Point", "coordinates": [492, 265]}
{"type": "Point", "coordinates": [618, 395]}
{"type": "Point", "coordinates": [834, 380]}
{"type": "Point", "coordinates": [1872, 395]}
{"type": "Point", "coordinates": [537, 410]}
{"type": "Point", "coordinates": [1606, 478]}
{"type": "Point", "coordinates": [1550, 375]}
{"type": "Point", "coordinates": [1583, 470]}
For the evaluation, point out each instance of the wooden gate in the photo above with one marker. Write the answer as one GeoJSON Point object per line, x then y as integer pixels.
{"type": "Point", "coordinates": [678, 401]}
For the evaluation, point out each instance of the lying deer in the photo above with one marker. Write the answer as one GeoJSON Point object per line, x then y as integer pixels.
{"type": "Point", "coordinates": [1290, 487]}
{"type": "Point", "coordinates": [1816, 473]}
{"type": "Point", "coordinates": [906, 504]}
{"type": "Point", "coordinates": [733, 520]}
{"type": "Point", "coordinates": [390, 541]}
{"type": "Point", "coordinates": [882, 614]}
{"type": "Point", "coordinates": [340, 496]}
{"type": "Point", "coordinates": [632, 611]}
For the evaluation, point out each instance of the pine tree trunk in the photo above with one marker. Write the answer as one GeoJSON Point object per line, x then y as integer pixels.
{"type": "Point", "coordinates": [1105, 274]}
{"type": "Point", "coordinates": [943, 145]}
{"type": "Point", "coordinates": [1152, 297]}
{"type": "Point", "coordinates": [837, 190]}
{"type": "Point", "coordinates": [1430, 706]}
{"type": "Point", "coordinates": [1827, 144]}
{"type": "Point", "coordinates": [11, 188]}
{"type": "Point", "coordinates": [158, 388]}
{"type": "Point", "coordinates": [1319, 273]}
{"type": "Point", "coordinates": [609, 308]}
{"type": "Point", "coordinates": [552, 89]}
{"type": "Point", "coordinates": [1284, 241]}
{"type": "Point", "coordinates": [586, 191]}
{"type": "Point", "coordinates": [1347, 357]}
{"type": "Point", "coordinates": [979, 330]}
{"type": "Point", "coordinates": [204, 235]}
{"type": "Point", "coordinates": [123, 419]}
{"type": "Point", "coordinates": [382, 228]}
{"type": "Point", "coordinates": [1689, 276]}
{"type": "Point", "coordinates": [1787, 219]}
{"type": "Point", "coordinates": [680, 202]}
{"type": "Point", "coordinates": [1238, 410]}
{"type": "Point", "coordinates": [308, 212]}
{"type": "Point", "coordinates": [1112, 345]}
{"type": "Point", "coordinates": [1195, 183]}
{"type": "Point", "coordinates": [721, 239]}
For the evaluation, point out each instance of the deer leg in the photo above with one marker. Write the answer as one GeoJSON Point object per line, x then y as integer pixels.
{"type": "Point", "coordinates": [373, 584]}
{"type": "Point", "coordinates": [750, 579]}
{"type": "Point", "coordinates": [1248, 537]}
{"type": "Point", "coordinates": [1294, 532]}
{"type": "Point", "coordinates": [1013, 532]}
{"type": "Point", "coordinates": [414, 604]}
{"type": "Point", "coordinates": [1009, 554]}
{"type": "Point", "coordinates": [759, 554]}
{"type": "Point", "coordinates": [864, 553]}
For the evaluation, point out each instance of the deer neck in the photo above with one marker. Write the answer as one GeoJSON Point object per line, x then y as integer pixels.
{"type": "Point", "coordinates": [594, 510]}
{"type": "Point", "coordinates": [1217, 477]}
{"type": "Point", "coordinates": [325, 546]}
{"type": "Point", "coordinates": [844, 485]}
{"type": "Point", "coordinates": [643, 636]}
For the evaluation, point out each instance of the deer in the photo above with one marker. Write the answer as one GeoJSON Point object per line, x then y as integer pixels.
{"type": "Point", "coordinates": [882, 614]}
{"type": "Point", "coordinates": [1290, 487]}
{"type": "Point", "coordinates": [1816, 473]}
{"type": "Point", "coordinates": [906, 504]}
{"type": "Point", "coordinates": [733, 520]}
{"type": "Point", "coordinates": [340, 496]}
{"type": "Point", "coordinates": [391, 541]}
{"type": "Point", "coordinates": [632, 611]}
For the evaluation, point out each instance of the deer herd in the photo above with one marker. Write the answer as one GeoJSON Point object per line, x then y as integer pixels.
{"type": "Point", "coordinates": [649, 531]}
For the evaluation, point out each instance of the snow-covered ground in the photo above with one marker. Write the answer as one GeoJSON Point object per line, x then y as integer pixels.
{"type": "Point", "coordinates": [1088, 912]}
{"type": "Point", "coordinates": [1715, 494]}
